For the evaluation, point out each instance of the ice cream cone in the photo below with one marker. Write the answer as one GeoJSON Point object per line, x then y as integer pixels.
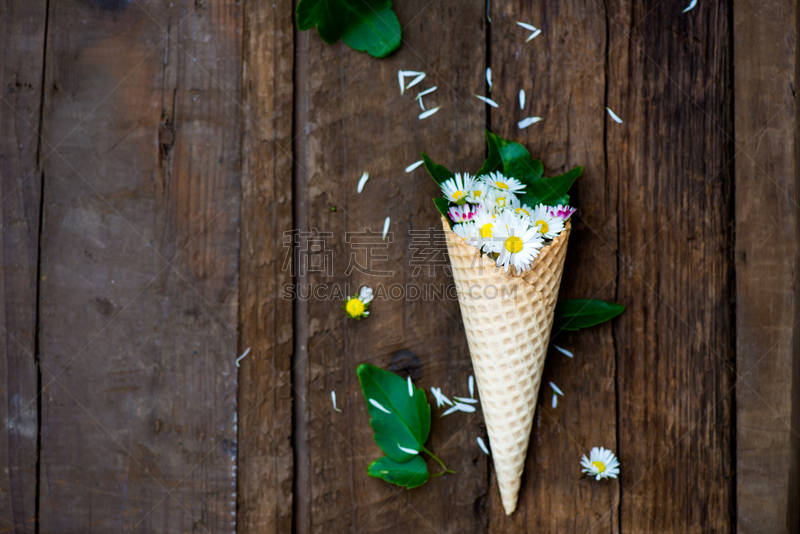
{"type": "Point", "coordinates": [507, 319]}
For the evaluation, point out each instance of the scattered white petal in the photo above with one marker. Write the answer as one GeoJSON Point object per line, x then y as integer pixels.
{"type": "Point", "coordinates": [459, 407]}
{"type": "Point", "coordinates": [410, 388]}
{"type": "Point", "coordinates": [468, 401]}
{"type": "Point", "coordinates": [428, 113]}
{"type": "Point", "coordinates": [555, 388]}
{"type": "Point", "coordinates": [614, 116]}
{"type": "Point", "coordinates": [444, 397]}
{"type": "Point", "coordinates": [409, 451]}
{"type": "Point", "coordinates": [402, 81]}
{"type": "Point", "coordinates": [386, 227]}
{"type": "Point", "coordinates": [408, 73]}
{"type": "Point", "coordinates": [471, 383]}
{"type": "Point", "coordinates": [378, 405]}
{"type": "Point", "coordinates": [555, 400]}
{"type": "Point", "coordinates": [416, 80]}
{"type": "Point", "coordinates": [524, 123]}
{"type": "Point", "coordinates": [362, 181]}
{"type": "Point", "coordinates": [414, 165]}
{"type": "Point", "coordinates": [488, 101]}
{"type": "Point", "coordinates": [522, 99]}
{"type": "Point", "coordinates": [534, 35]}
{"type": "Point", "coordinates": [527, 26]}
{"type": "Point", "coordinates": [333, 398]}
{"type": "Point", "coordinates": [437, 395]}
{"type": "Point", "coordinates": [489, 78]}
{"type": "Point", "coordinates": [482, 445]}
{"type": "Point", "coordinates": [245, 353]}
{"type": "Point", "coordinates": [691, 6]}
{"type": "Point", "coordinates": [564, 351]}
{"type": "Point", "coordinates": [426, 92]}
{"type": "Point", "coordinates": [421, 105]}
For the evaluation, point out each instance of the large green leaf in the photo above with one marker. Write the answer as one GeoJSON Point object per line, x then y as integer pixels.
{"type": "Point", "coordinates": [552, 191]}
{"type": "Point", "coordinates": [512, 158]}
{"type": "Point", "coordinates": [439, 173]}
{"type": "Point", "coordinates": [364, 25]}
{"type": "Point", "coordinates": [410, 474]}
{"type": "Point", "coordinates": [408, 422]}
{"type": "Point", "coordinates": [583, 313]}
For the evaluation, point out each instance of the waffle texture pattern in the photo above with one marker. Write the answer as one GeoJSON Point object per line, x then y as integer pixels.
{"type": "Point", "coordinates": [507, 319]}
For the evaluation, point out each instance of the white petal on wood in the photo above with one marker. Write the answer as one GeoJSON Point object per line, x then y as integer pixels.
{"type": "Point", "coordinates": [564, 351]}
{"type": "Point", "coordinates": [528, 27]}
{"type": "Point", "coordinates": [362, 181]}
{"type": "Point", "coordinates": [428, 113]}
{"type": "Point", "coordinates": [386, 227]}
{"type": "Point", "coordinates": [613, 116]}
{"type": "Point", "coordinates": [534, 35]}
{"type": "Point", "coordinates": [414, 165]}
{"type": "Point", "coordinates": [522, 99]}
{"type": "Point", "coordinates": [482, 445]}
{"type": "Point", "coordinates": [524, 123]}
{"type": "Point", "coordinates": [556, 389]}
{"type": "Point", "coordinates": [488, 101]}
{"type": "Point", "coordinates": [691, 6]}
{"type": "Point", "coordinates": [416, 80]}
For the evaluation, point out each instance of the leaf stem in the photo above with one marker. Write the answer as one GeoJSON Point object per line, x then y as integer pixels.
{"type": "Point", "coordinates": [446, 470]}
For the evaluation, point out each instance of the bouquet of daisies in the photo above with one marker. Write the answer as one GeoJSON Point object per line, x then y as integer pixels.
{"type": "Point", "coordinates": [507, 229]}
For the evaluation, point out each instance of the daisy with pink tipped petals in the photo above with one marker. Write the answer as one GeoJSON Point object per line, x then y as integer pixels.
{"type": "Point", "coordinates": [561, 211]}
{"type": "Point", "coordinates": [460, 214]}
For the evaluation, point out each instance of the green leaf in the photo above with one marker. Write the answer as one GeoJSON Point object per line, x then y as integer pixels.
{"type": "Point", "coordinates": [513, 158]}
{"type": "Point", "coordinates": [410, 474]}
{"type": "Point", "coordinates": [408, 422]}
{"type": "Point", "coordinates": [439, 173]}
{"type": "Point", "coordinates": [582, 313]}
{"type": "Point", "coordinates": [443, 205]}
{"type": "Point", "coordinates": [552, 191]}
{"type": "Point", "coordinates": [364, 25]}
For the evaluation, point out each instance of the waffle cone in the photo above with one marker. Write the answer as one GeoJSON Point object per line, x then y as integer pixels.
{"type": "Point", "coordinates": [507, 319]}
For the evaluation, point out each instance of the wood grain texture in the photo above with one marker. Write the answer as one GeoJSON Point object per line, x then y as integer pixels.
{"type": "Point", "coordinates": [139, 263]}
{"type": "Point", "coordinates": [357, 121]}
{"type": "Point", "coordinates": [563, 74]}
{"type": "Point", "coordinates": [22, 24]}
{"type": "Point", "coordinates": [766, 255]}
{"type": "Point", "coordinates": [265, 317]}
{"type": "Point", "coordinates": [669, 80]}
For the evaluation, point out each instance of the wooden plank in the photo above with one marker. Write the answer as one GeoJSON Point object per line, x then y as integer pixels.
{"type": "Point", "coordinates": [22, 23]}
{"type": "Point", "coordinates": [357, 121]}
{"type": "Point", "coordinates": [669, 75]}
{"type": "Point", "coordinates": [139, 263]}
{"type": "Point", "coordinates": [265, 397]}
{"type": "Point", "coordinates": [766, 261]}
{"type": "Point", "coordinates": [567, 90]}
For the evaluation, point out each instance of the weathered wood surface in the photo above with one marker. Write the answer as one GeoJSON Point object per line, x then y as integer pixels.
{"type": "Point", "coordinates": [139, 291]}
{"type": "Point", "coordinates": [183, 140]}
{"type": "Point", "coordinates": [265, 464]}
{"type": "Point", "coordinates": [22, 23]}
{"type": "Point", "coordinates": [357, 121]}
{"type": "Point", "coordinates": [669, 78]}
{"type": "Point", "coordinates": [766, 266]}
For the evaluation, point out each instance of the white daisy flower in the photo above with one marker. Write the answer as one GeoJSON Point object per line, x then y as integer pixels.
{"type": "Point", "coordinates": [458, 188]}
{"type": "Point", "coordinates": [496, 179]}
{"type": "Point", "coordinates": [460, 214]}
{"type": "Point", "coordinates": [498, 200]}
{"type": "Point", "coordinates": [516, 242]}
{"type": "Point", "coordinates": [524, 211]}
{"type": "Point", "coordinates": [467, 231]}
{"type": "Point", "coordinates": [478, 192]}
{"type": "Point", "coordinates": [356, 306]}
{"type": "Point", "coordinates": [484, 221]}
{"type": "Point", "coordinates": [601, 463]}
{"type": "Point", "coordinates": [547, 224]}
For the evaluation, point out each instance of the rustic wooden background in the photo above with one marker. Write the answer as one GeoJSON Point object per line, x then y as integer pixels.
{"type": "Point", "coordinates": [153, 153]}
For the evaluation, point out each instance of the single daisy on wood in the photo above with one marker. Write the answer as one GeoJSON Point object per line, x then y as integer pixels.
{"type": "Point", "coordinates": [601, 463]}
{"type": "Point", "coordinates": [356, 306]}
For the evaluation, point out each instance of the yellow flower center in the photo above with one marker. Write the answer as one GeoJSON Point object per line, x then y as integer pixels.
{"type": "Point", "coordinates": [543, 226]}
{"type": "Point", "coordinates": [486, 230]}
{"type": "Point", "coordinates": [521, 210]}
{"type": "Point", "coordinates": [600, 466]}
{"type": "Point", "coordinates": [477, 194]}
{"type": "Point", "coordinates": [458, 195]}
{"type": "Point", "coordinates": [501, 202]}
{"type": "Point", "coordinates": [513, 244]}
{"type": "Point", "coordinates": [501, 185]}
{"type": "Point", "coordinates": [354, 307]}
